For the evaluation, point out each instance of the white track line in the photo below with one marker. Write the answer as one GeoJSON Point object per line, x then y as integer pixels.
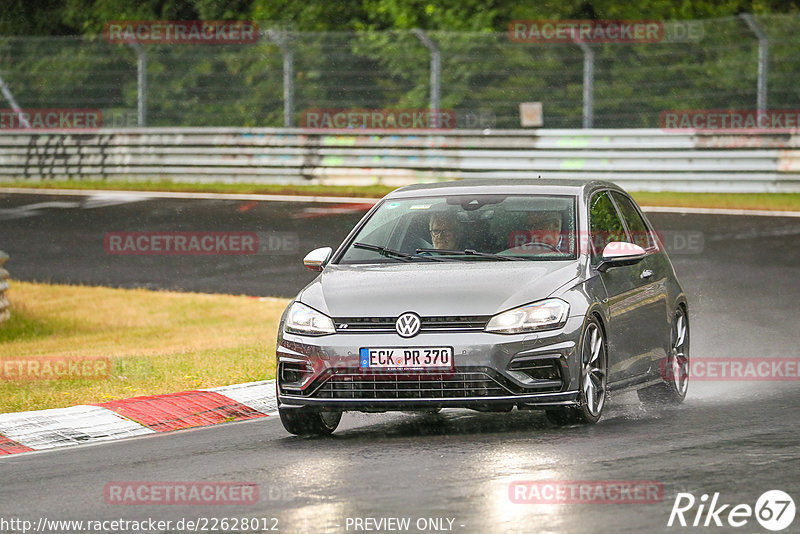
{"type": "Point", "coordinates": [721, 211]}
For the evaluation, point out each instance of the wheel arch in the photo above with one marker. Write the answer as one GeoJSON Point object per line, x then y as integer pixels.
{"type": "Point", "coordinates": [596, 311]}
{"type": "Point", "coordinates": [683, 304]}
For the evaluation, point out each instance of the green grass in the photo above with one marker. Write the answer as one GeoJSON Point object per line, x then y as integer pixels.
{"type": "Point", "coordinates": [156, 341]}
{"type": "Point", "coordinates": [757, 201]}
{"type": "Point", "coordinates": [750, 201]}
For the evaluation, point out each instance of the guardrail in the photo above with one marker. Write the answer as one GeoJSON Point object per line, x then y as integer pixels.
{"type": "Point", "coordinates": [5, 313]}
{"type": "Point", "coordinates": [638, 159]}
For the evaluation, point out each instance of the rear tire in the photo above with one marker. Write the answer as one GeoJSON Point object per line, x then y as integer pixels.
{"type": "Point", "coordinates": [675, 372]}
{"type": "Point", "coordinates": [303, 422]}
{"type": "Point", "coordinates": [592, 396]}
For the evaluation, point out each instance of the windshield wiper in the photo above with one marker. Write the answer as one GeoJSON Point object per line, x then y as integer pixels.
{"type": "Point", "coordinates": [470, 252]}
{"type": "Point", "coordinates": [388, 252]}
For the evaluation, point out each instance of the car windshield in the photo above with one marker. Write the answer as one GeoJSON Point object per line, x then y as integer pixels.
{"type": "Point", "coordinates": [467, 228]}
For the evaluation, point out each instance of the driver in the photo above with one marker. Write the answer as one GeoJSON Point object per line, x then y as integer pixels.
{"type": "Point", "coordinates": [544, 227]}
{"type": "Point", "coordinates": [446, 232]}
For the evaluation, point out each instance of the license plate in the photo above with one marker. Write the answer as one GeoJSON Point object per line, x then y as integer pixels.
{"type": "Point", "coordinates": [407, 358]}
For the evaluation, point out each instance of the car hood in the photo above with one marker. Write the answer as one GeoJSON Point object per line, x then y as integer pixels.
{"type": "Point", "coordinates": [452, 288]}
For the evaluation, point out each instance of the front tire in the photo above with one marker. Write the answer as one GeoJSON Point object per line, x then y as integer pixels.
{"type": "Point", "coordinates": [592, 397]}
{"type": "Point", "coordinates": [303, 422]}
{"type": "Point", "coordinates": [675, 372]}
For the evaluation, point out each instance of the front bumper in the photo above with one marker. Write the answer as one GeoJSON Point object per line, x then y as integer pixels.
{"type": "Point", "coordinates": [491, 371]}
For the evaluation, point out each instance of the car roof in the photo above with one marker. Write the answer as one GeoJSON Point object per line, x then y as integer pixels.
{"type": "Point", "coordinates": [540, 186]}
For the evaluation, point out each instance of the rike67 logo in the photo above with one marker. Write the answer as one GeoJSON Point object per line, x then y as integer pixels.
{"type": "Point", "coordinates": [774, 510]}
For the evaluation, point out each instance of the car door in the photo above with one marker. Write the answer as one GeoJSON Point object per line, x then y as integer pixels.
{"type": "Point", "coordinates": [629, 326]}
{"type": "Point", "coordinates": [653, 271]}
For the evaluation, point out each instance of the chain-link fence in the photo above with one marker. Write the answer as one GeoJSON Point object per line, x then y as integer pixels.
{"type": "Point", "coordinates": [482, 77]}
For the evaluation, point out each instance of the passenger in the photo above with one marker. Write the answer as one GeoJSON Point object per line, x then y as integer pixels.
{"type": "Point", "coordinates": [446, 232]}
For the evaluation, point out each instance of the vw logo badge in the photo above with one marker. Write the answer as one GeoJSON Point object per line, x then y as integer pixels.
{"type": "Point", "coordinates": [408, 324]}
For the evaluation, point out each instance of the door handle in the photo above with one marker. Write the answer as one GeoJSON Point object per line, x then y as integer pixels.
{"type": "Point", "coordinates": [647, 273]}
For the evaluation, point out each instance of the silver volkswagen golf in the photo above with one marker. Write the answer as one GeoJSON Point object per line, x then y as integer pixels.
{"type": "Point", "coordinates": [486, 294]}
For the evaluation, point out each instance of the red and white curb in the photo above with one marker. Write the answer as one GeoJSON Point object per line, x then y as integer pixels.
{"type": "Point", "coordinates": [62, 427]}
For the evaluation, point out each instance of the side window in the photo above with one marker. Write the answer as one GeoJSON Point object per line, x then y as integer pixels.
{"type": "Point", "coordinates": [604, 223]}
{"type": "Point", "coordinates": [640, 233]}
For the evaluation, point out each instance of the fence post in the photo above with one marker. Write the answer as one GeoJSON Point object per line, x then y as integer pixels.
{"type": "Point", "coordinates": [763, 51]}
{"type": "Point", "coordinates": [588, 81]}
{"type": "Point", "coordinates": [13, 103]}
{"type": "Point", "coordinates": [141, 84]}
{"type": "Point", "coordinates": [4, 304]}
{"type": "Point", "coordinates": [436, 66]}
{"type": "Point", "coordinates": [288, 75]}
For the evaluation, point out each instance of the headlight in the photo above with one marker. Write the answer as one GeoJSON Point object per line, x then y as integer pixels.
{"type": "Point", "coordinates": [545, 315]}
{"type": "Point", "coordinates": [302, 319]}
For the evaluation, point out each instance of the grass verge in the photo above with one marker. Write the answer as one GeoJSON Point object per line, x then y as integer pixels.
{"type": "Point", "coordinates": [156, 341]}
{"type": "Point", "coordinates": [752, 201]}
{"type": "Point", "coordinates": [742, 201]}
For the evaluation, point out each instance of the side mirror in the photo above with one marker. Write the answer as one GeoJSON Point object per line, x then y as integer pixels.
{"type": "Point", "coordinates": [317, 258]}
{"type": "Point", "coordinates": [617, 254]}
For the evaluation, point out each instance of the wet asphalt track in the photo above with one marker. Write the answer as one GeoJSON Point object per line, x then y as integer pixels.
{"type": "Point", "coordinates": [736, 438]}
{"type": "Point", "coordinates": [61, 239]}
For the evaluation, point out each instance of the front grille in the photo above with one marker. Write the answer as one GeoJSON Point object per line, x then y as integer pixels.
{"type": "Point", "coordinates": [456, 323]}
{"type": "Point", "coordinates": [451, 385]}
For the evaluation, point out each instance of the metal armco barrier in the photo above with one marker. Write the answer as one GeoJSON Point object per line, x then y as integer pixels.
{"type": "Point", "coordinates": [4, 304]}
{"type": "Point", "coordinates": [637, 159]}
